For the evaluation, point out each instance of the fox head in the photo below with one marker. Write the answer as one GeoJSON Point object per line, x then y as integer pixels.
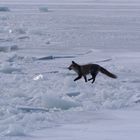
{"type": "Point", "coordinates": [74, 66]}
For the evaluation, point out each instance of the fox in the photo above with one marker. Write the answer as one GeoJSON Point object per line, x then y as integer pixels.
{"type": "Point", "coordinates": [93, 69]}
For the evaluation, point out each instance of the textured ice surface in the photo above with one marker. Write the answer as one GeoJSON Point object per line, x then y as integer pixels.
{"type": "Point", "coordinates": [15, 130]}
{"type": "Point", "coordinates": [38, 94]}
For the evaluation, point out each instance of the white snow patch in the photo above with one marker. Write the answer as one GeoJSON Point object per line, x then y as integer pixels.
{"type": "Point", "coordinates": [38, 77]}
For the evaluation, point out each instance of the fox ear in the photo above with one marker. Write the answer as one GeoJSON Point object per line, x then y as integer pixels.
{"type": "Point", "coordinates": [73, 62]}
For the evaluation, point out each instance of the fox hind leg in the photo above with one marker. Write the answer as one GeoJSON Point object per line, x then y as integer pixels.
{"type": "Point", "coordinates": [93, 80]}
{"type": "Point", "coordinates": [90, 79]}
{"type": "Point", "coordinates": [85, 78]}
{"type": "Point", "coordinates": [93, 74]}
{"type": "Point", "coordinates": [93, 77]}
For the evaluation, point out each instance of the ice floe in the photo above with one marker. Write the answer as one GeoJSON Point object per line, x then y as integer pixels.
{"type": "Point", "coordinates": [4, 9]}
{"type": "Point", "coordinates": [53, 101]}
{"type": "Point", "coordinates": [43, 9]}
{"type": "Point", "coordinates": [8, 47]}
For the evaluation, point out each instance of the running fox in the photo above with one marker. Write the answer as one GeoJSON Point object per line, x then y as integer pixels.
{"type": "Point", "coordinates": [93, 69]}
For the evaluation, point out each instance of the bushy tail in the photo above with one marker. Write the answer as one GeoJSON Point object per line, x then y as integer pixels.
{"type": "Point", "coordinates": [106, 72]}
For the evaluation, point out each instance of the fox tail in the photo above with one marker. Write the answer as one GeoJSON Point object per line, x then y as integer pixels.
{"type": "Point", "coordinates": [106, 72]}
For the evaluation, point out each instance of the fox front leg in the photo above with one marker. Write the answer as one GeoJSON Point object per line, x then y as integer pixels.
{"type": "Point", "coordinates": [77, 78]}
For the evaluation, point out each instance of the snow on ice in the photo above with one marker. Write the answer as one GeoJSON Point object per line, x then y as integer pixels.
{"type": "Point", "coordinates": [38, 97]}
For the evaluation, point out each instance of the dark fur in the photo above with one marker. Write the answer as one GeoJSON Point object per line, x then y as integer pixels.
{"type": "Point", "coordinates": [93, 69]}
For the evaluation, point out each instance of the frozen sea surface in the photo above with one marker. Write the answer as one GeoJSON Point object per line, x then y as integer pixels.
{"type": "Point", "coordinates": [38, 97]}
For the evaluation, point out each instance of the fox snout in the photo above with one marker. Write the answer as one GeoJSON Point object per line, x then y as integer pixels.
{"type": "Point", "coordinates": [69, 68]}
{"type": "Point", "coordinates": [72, 66]}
